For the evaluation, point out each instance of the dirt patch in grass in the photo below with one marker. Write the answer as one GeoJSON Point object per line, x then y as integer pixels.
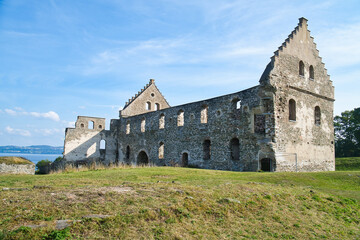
{"type": "Point", "coordinates": [15, 160]}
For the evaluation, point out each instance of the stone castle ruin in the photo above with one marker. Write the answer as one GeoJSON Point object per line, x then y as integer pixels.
{"type": "Point", "coordinates": [283, 124]}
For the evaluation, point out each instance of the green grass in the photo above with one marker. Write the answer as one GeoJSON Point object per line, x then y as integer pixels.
{"type": "Point", "coordinates": [182, 203]}
{"type": "Point", "coordinates": [348, 164]}
{"type": "Point", "coordinates": [15, 160]}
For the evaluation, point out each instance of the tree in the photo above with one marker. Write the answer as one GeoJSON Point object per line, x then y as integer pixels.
{"type": "Point", "coordinates": [347, 133]}
{"type": "Point", "coordinates": [43, 166]}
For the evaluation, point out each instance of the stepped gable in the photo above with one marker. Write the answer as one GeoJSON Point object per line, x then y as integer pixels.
{"type": "Point", "coordinates": [151, 82]}
{"type": "Point", "coordinates": [302, 24]}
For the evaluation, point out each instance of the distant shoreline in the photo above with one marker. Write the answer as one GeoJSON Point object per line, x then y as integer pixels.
{"type": "Point", "coordinates": [35, 149]}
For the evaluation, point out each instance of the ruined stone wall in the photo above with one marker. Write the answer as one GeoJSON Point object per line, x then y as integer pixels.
{"type": "Point", "coordinates": [17, 168]}
{"type": "Point", "coordinates": [224, 123]}
{"type": "Point", "coordinates": [83, 144]}
{"type": "Point", "coordinates": [303, 143]}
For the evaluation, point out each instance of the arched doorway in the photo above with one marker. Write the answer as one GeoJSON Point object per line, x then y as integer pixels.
{"type": "Point", "coordinates": [184, 159]}
{"type": "Point", "coordinates": [142, 158]}
{"type": "Point", "coordinates": [265, 164]}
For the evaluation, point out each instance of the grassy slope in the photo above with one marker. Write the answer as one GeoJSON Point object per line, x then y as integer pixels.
{"type": "Point", "coordinates": [15, 160]}
{"type": "Point", "coordinates": [170, 203]}
{"type": "Point", "coordinates": [348, 164]}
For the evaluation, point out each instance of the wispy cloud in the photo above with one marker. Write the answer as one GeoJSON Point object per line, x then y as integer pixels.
{"type": "Point", "coordinates": [47, 131]}
{"type": "Point", "coordinates": [47, 115]}
{"type": "Point", "coordinates": [20, 132]}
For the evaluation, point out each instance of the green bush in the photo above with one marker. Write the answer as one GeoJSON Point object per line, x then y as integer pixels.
{"type": "Point", "coordinates": [43, 167]}
{"type": "Point", "coordinates": [58, 159]}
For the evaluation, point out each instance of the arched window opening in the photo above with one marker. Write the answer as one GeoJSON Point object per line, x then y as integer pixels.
{"type": "Point", "coordinates": [161, 150]}
{"type": "Point", "coordinates": [157, 106]}
{"type": "Point", "coordinates": [127, 154]}
{"type": "Point", "coordinates": [143, 122]}
{"type": "Point", "coordinates": [185, 159]}
{"type": "Point", "coordinates": [301, 68]}
{"type": "Point", "coordinates": [148, 105]}
{"type": "Point", "coordinates": [204, 114]}
{"type": "Point", "coordinates": [100, 126]}
{"type": "Point", "coordinates": [102, 144]}
{"type": "Point", "coordinates": [91, 125]}
{"type": "Point", "coordinates": [235, 149]}
{"type": "Point", "coordinates": [128, 127]}
{"type": "Point", "coordinates": [265, 164]}
{"type": "Point", "coordinates": [162, 121]}
{"type": "Point", "coordinates": [180, 118]}
{"type": "Point", "coordinates": [82, 125]}
{"type": "Point", "coordinates": [317, 115]}
{"type": "Point", "coordinates": [311, 72]}
{"type": "Point", "coordinates": [206, 150]}
{"type": "Point", "coordinates": [292, 110]}
{"type": "Point", "coordinates": [142, 158]}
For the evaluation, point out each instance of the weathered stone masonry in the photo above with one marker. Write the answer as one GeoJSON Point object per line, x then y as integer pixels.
{"type": "Point", "coordinates": [283, 124]}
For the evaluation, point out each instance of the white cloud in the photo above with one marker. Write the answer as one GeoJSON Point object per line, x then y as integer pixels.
{"type": "Point", "coordinates": [47, 132]}
{"type": "Point", "coordinates": [20, 132]}
{"type": "Point", "coordinates": [48, 115]}
{"type": "Point", "coordinates": [11, 112]}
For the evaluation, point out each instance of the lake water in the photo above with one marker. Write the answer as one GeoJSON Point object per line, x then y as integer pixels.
{"type": "Point", "coordinates": [33, 157]}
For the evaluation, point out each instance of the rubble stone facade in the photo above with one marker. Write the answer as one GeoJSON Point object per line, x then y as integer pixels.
{"type": "Point", "coordinates": [283, 124]}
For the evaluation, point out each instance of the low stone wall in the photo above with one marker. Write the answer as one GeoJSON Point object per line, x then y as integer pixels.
{"type": "Point", "coordinates": [17, 168]}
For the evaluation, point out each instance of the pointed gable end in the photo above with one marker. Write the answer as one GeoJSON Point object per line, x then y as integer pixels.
{"type": "Point", "coordinates": [146, 100]}
{"type": "Point", "coordinates": [297, 64]}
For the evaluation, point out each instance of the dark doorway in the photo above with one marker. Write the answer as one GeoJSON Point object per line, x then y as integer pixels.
{"type": "Point", "coordinates": [185, 159]}
{"type": "Point", "coordinates": [142, 158]}
{"type": "Point", "coordinates": [206, 150]}
{"type": "Point", "coordinates": [266, 164]}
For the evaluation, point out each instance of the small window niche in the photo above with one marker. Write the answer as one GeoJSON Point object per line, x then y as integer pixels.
{"type": "Point", "coordinates": [162, 121]}
{"type": "Point", "coordinates": [143, 123]}
{"type": "Point", "coordinates": [311, 72]}
{"type": "Point", "coordinates": [292, 110]}
{"type": "Point", "coordinates": [317, 116]}
{"type": "Point", "coordinates": [157, 106]}
{"type": "Point", "coordinates": [301, 69]}
{"type": "Point", "coordinates": [128, 127]}
{"type": "Point", "coordinates": [161, 150]}
{"type": "Point", "coordinates": [148, 106]}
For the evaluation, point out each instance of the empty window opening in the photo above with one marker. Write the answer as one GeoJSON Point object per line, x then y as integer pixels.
{"type": "Point", "coordinates": [265, 164]}
{"type": "Point", "coordinates": [82, 125]}
{"type": "Point", "coordinates": [143, 122]}
{"type": "Point", "coordinates": [162, 121]}
{"type": "Point", "coordinates": [142, 158]}
{"type": "Point", "coordinates": [157, 106]}
{"type": "Point", "coordinates": [206, 150]}
{"type": "Point", "coordinates": [127, 154]}
{"type": "Point", "coordinates": [311, 72]}
{"type": "Point", "coordinates": [180, 118]}
{"type": "Point", "coordinates": [235, 149]}
{"type": "Point", "coordinates": [91, 125]}
{"type": "Point", "coordinates": [100, 126]}
{"type": "Point", "coordinates": [204, 114]}
{"type": "Point", "coordinates": [128, 127]}
{"type": "Point", "coordinates": [153, 94]}
{"type": "Point", "coordinates": [236, 103]}
{"type": "Point", "coordinates": [161, 150]}
{"type": "Point", "coordinates": [317, 115]}
{"type": "Point", "coordinates": [292, 110]}
{"type": "Point", "coordinates": [301, 68]}
{"type": "Point", "coordinates": [148, 106]}
{"type": "Point", "coordinates": [102, 144]}
{"type": "Point", "coordinates": [185, 159]}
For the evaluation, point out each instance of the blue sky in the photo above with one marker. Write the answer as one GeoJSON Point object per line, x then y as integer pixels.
{"type": "Point", "coordinates": [61, 59]}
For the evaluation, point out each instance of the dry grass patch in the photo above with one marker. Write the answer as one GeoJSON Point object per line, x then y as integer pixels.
{"type": "Point", "coordinates": [15, 160]}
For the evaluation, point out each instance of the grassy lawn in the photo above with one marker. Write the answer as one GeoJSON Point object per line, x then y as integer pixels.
{"type": "Point", "coordinates": [181, 203]}
{"type": "Point", "coordinates": [348, 164]}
